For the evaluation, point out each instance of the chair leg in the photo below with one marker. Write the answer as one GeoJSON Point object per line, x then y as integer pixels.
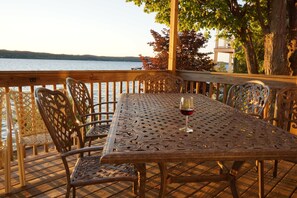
{"type": "Point", "coordinates": [223, 169]}
{"type": "Point", "coordinates": [164, 176]}
{"type": "Point", "coordinates": [256, 167]}
{"type": "Point", "coordinates": [275, 168]}
{"type": "Point", "coordinates": [45, 147]}
{"type": "Point", "coordinates": [90, 142]}
{"type": "Point", "coordinates": [21, 164]}
{"type": "Point", "coordinates": [68, 191]}
{"type": "Point", "coordinates": [7, 171]}
{"type": "Point", "coordinates": [261, 178]}
{"type": "Point", "coordinates": [135, 187]}
{"type": "Point", "coordinates": [35, 150]}
{"type": "Point", "coordinates": [73, 192]}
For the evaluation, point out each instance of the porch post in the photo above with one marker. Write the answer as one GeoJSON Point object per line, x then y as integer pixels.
{"type": "Point", "coordinates": [173, 35]}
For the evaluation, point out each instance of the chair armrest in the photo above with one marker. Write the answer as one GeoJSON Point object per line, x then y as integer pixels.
{"type": "Point", "coordinates": [103, 103]}
{"type": "Point", "coordinates": [97, 113]}
{"type": "Point", "coordinates": [255, 115]}
{"type": "Point", "coordinates": [95, 122]}
{"type": "Point", "coordinates": [273, 121]}
{"type": "Point", "coordinates": [82, 150]}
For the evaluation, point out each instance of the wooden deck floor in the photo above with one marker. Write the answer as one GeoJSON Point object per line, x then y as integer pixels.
{"type": "Point", "coordinates": [46, 178]}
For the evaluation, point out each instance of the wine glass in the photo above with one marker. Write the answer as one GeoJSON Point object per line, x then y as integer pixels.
{"type": "Point", "coordinates": [186, 108]}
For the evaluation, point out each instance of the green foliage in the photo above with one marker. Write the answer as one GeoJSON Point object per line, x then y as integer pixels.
{"type": "Point", "coordinates": [199, 14]}
{"type": "Point", "coordinates": [188, 55]}
{"type": "Point", "coordinates": [239, 66]}
{"type": "Point", "coordinates": [220, 67]}
{"type": "Point", "coordinates": [240, 19]}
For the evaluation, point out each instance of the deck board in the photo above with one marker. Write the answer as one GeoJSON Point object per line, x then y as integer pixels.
{"type": "Point", "coordinates": [45, 177]}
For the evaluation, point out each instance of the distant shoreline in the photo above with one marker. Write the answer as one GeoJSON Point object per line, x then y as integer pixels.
{"type": "Point", "coordinates": [49, 56]}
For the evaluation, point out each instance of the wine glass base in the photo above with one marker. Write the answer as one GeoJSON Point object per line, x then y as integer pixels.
{"type": "Point", "coordinates": [186, 129]}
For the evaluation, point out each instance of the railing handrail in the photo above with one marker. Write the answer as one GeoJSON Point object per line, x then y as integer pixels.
{"type": "Point", "coordinates": [273, 81]}
{"type": "Point", "coordinates": [32, 78]}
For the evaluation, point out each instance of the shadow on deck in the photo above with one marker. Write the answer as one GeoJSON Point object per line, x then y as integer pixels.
{"type": "Point", "coordinates": [45, 177]}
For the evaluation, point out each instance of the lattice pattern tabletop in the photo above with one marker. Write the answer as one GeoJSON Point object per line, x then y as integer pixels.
{"type": "Point", "coordinates": [145, 128]}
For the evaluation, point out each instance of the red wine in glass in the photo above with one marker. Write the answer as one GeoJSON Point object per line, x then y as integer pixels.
{"type": "Point", "coordinates": [186, 108]}
{"type": "Point", "coordinates": [187, 112]}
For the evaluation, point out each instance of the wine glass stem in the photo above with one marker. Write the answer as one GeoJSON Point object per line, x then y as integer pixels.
{"type": "Point", "coordinates": [187, 119]}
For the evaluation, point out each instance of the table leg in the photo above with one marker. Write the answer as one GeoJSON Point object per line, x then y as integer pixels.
{"type": "Point", "coordinates": [232, 177]}
{"type": "Point", "coordinates": [232, 182]}
{"type": "Point", "coordinates": [141, 179]}
{"type": "Point", "coordinates": [164, 175]}
{"type": "Point", "coordinates": [261, 178]}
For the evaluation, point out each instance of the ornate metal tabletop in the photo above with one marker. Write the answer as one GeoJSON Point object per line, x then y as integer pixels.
{"type": "Point", "coordinates": [145, 128]}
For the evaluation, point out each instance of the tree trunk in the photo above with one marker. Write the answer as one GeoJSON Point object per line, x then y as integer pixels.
{"type": "Point", "coordinates": [292, 54]}
{"type": "Point", "coordinates": [275, 46]}
{"type": "Point", "coordinates": [250, 57]}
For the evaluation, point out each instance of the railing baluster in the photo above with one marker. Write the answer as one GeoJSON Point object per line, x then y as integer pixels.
{"type": "Point", "coordinates": [133, 86]}
{"type": "Point", "coordinates": [114, 95]}
{"type": "Point", "coordinates": [197, 87]}
{"type": "Point", "coordinates": [218, 91]}
{"type": "Point", "coordinates": [210, 90]}
{"type": "Point", "coordinates": [191, 87]}
{"type": "Point", "coordinates": [204, 88]}
{"type": "Point", "coordinates": [107, 97]}
{"type": "Point", "coordinates": [186, 85]}
{"type": "Point", "coordinates": [92, 90]}
{"type": "Point", "coordinates": [121, 87]}
{"type": "Point", "coordinates": [100, 98]}
{"type": "Point", "coordinates": [225, 93]}
{"type": "Point", "coordinates": [127, 87]}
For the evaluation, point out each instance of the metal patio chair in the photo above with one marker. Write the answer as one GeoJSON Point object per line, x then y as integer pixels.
{"type": "Point", "coordinates": [250, 97]}
{"type": "Point", "coordinates": [60, 120]}
{"type": "Point", "coordinates": [286, 114]}
{"type": "Point", "coordinates": [29, 127]}
{"type": "Point", "coordinates": [160, 83]}
{"type": "Point", "coordinates": [93, 128]}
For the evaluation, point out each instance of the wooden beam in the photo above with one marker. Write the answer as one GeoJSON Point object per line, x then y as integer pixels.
{"type": "Point", "coordinates": [173, 35]}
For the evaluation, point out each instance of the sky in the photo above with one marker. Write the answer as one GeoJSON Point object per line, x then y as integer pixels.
{"type": "Point", "coordinates": [96, 27]}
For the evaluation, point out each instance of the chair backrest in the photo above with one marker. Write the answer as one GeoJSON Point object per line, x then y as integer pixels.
{"type": "Point", "coordinates": [160, 83]}
{"type": "Point", "coordinates": [250, 97]}
{"type": "Point", "coordinates": [81, 97]}
{"type": "Point", "coordinates": [56, 111]}
{"type": "Point", "coordinates": [286, 109]}
{"type": "Point", "coordinates": [27, 115]}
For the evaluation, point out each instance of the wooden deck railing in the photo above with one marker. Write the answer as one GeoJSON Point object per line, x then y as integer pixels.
{"type": "Point", "coordinates": [215, 84]}
{"type": "Point", "coordinates": [106, 86]}
{"type": "Point", "coordinates": [111, 83]}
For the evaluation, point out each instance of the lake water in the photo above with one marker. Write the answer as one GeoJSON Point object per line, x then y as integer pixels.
{"type": "Point", "coordinates": [42, 64]}
{"type": "Point", "coordinates": [7, 64]}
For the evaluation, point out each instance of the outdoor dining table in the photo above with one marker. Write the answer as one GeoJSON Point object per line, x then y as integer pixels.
{"type": "Point", "coordinates": [145, 128]}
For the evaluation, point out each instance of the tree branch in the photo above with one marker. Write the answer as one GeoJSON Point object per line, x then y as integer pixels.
{"type": "Point", "coordinates": [261, 17]}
